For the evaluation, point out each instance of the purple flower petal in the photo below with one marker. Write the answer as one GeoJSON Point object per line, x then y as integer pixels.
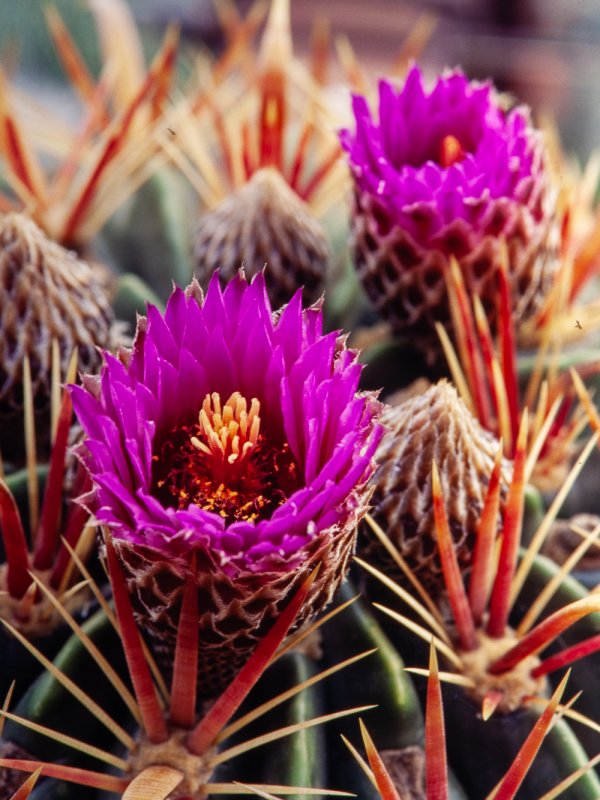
{"type": "Point", "coordinates": [312, 456]}
{"type": "Point", "coordinates": [397, 159]}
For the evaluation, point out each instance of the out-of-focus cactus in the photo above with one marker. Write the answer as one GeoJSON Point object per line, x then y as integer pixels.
{"type": "Point", "coordinates": [49, 299]}
{"type": "Point", "coordinates": [279, 167]}
{"type": "Point", "coordinates": [42, 543]}
{"type": "Point", "coordinates": [71, 181]}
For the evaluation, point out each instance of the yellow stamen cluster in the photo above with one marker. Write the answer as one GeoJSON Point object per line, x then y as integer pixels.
{"type": "Point", "coordinates": [224, 462]}
{"type": "Point", "coordinates": [231, 431]}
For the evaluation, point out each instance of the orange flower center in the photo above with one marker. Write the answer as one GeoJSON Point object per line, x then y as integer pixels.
{"type": "Point", "coordinates": [451, 151]}
{"type": "Point", "coordinates": [224, 463]}
{"type": "Point", "coordinates": [228, 434]}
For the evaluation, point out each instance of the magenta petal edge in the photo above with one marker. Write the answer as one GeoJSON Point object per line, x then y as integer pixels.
{"type": "Point", "coordinates": [306, 383]}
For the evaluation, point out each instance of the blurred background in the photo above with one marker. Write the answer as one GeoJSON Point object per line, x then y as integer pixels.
{"type": "Point", "coordinates": [547, 52]}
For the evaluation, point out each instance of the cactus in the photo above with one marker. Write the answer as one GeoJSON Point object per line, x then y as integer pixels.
{"type": "Point", "coordinates": [24, 791]}
{"type": "Point", "coordinates": [52, 304]}
{"type": "Point", "coordinates": [80, 178]}
{"type": "Point", "coordinates": [578, 209]}
{"type": "Point", "coordinates": [231, 453]}
{"type": "Point", "coordinates": [433, 425]}
{"type": "Point", "coordinates": [497, 666]}
{"type": "Point", "coordinates": [420, 201]}
{"type": "Point", "coordinates": [90, 171]}
{"type": "Point", "coordinates": [436, 780]}
{"type": "Point", "coordinates": [245, 474]}
{"type": "Point", "coordinates": [486, 373]}
{"type": "Point", "coordinates": [174, 748]}
{"type": "Point", "coordinates": [40, 541]}
{"type": "Point", "coordinates": [263, 208]}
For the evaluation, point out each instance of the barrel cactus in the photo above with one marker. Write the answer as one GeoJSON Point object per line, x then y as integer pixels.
{"type": "Point", "coordinates": [264, 224]}
{"type": "Point", "coordinates": [488, 632]}
{"type": "Point", "coordinates": [79, 175]}
{"type": "Point", "coordinates": [434, 425]}
{"type": "Point", "coordinates": [246, 480]}
{"type": "Point", "coordinates": [43, 544]}
{"type": "Point", "coordinates": [351, 641]}
{"type": "Point", "coordinates": [431, 778]}
{"type": "Point", "coordinates": [486, 370]}
{"type": "Point", "coordinates": [280, 173]}
{"type": "Point", "coordinates": [48, 296]}
{"type": "Point", "coordinates": [568, 311]}
{"type": "Point", "coordinates": [23, 789]}
{"type": "Point", "coordinates": [229, 456]}
{"type": "Point", "coordinates": [81, 182]}
{"type": "Point", "coordinates": [474, 179]}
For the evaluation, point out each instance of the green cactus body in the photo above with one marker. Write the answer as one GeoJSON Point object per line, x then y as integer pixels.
{"type": "Point", "coordinates": [150, 232]}
{"type": "Point", "coordinates": [15, 663]}
{"type": "Point", "coordinates": [48, 702]}
{"type": "Point", "coordinates": [480, 751]}
{"type": "Point", "coordinates": [299, 760]}
{"type": "Point", "coordinates": [585, 674]}
{"type": "Point", "coordinates": [311, 757]}
{"type": "Point", "coordinates": [396, 722]}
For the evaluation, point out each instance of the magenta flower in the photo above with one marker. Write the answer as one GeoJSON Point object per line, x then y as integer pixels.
{"type": "Point", "coordinates": [236, 438]}
{"type": "Point", "coordinates": [448, 173]}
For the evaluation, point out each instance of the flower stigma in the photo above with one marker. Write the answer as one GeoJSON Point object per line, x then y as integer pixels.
{"type": "Point", "coordinates": [225, 463]}
{"type": "Point", "coordinates": [451, 151]}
